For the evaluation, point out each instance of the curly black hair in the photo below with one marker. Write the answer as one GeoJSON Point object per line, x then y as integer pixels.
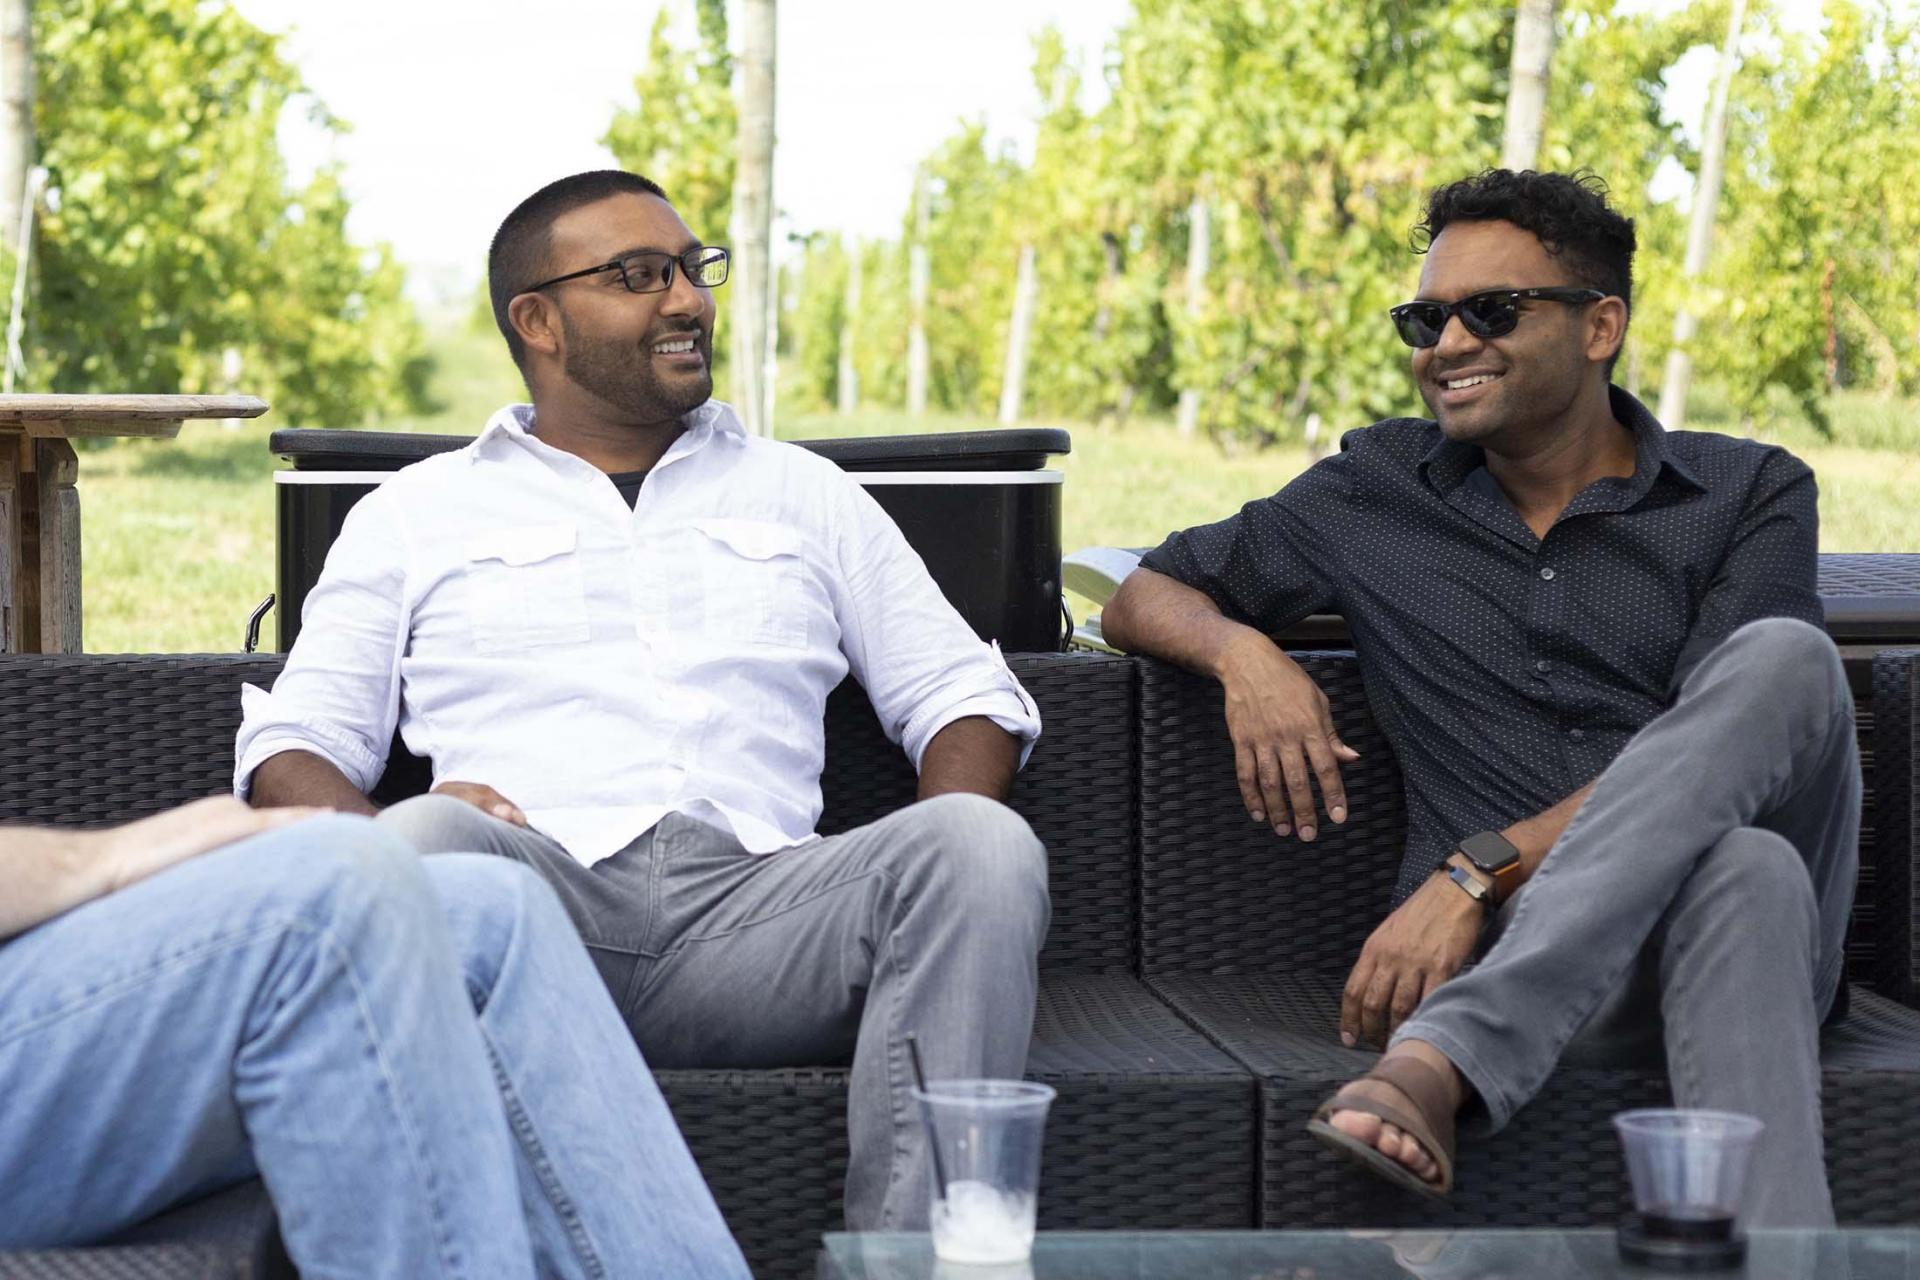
{"type": "Point", "coordinates": [1568, 213]}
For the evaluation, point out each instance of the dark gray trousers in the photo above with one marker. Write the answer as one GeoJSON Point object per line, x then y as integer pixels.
{"type": "Point", "coordinates": [928, 921]}
{"type": "Point", "coordinates": [1698, 901]}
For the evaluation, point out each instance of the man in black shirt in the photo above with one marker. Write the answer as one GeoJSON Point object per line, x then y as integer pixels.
{"type": "Point", "coordinates": [1589, 642]}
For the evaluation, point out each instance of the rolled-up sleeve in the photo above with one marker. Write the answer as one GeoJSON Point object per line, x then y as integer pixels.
{"type": "Point", "coordinates": [920, 663]}
{"type": "Point", "coordinates": [338, 696]}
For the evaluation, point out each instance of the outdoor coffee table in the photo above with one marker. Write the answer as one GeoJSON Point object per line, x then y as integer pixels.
{"type": "Point", "coordinates": [40, 508]}
{"type": "Point", "coordinates": [1890, 1254]}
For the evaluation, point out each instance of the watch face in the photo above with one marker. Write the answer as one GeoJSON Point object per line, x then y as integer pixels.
{"type": "Point", "coordinates": [1490, 851]}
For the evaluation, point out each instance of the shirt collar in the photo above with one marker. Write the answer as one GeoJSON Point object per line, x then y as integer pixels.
{"type": "Point", "coordinates": [512, 426]}
{"type": "Point", "coordinates": [1448, 464]}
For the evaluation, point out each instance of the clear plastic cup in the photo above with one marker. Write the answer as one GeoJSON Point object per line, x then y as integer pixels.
{"type": "Point", "coordinates": [985, 1140]}
{"type": "Point", "coordinates": [1687, 1167]}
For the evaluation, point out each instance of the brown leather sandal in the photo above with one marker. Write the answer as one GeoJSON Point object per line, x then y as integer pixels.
{"type": "Point", "coordinates": [1430, 1124]}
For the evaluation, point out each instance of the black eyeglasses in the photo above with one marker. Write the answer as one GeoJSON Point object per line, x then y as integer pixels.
{"type": "Point", "coordinates": [650, 271]}
{"type": "Point", "coordinates": [1485, 315]}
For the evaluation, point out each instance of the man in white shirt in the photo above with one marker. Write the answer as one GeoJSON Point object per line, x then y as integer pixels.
{"type": "Point", "coordinates": [612, 623]}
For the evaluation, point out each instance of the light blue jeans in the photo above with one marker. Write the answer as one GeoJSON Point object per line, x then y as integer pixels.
{"type": "Point", "coordinates": [418, 1058]}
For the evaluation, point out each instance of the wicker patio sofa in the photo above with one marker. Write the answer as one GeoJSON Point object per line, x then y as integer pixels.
{"type": "Point", "coordinates": [1188, 986]}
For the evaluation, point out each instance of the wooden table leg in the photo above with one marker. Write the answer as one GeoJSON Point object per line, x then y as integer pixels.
{"type": "Point", "coordinates": [13, 484]}
{"type": "Point", "coordinates": [56, 470]}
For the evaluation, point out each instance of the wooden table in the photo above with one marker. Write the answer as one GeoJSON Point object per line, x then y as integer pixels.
{"type": "Point", "coordinates": [40, 508]}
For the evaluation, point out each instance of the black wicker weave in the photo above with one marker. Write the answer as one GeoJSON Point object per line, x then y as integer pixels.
{"type": "Point", "coordinates": [1255, 957]}
{"type": "Point", "coordinates": [1154, 1128]}
{"type": "Point", "coordinates": [1214, 885]}
{"type": "Point", "coordinates": [1558, 1163]}
{"type": "Point", "coordinates": [1154, 868]}
{"type": "Point", "coordinates": [134, 1262]}
{"type": "Point", "coordinates": [101, 739]}
{"type": "Point", "coordinates": [1076, 790]}
{"type": "Point", "coordinates": [1896, 696]}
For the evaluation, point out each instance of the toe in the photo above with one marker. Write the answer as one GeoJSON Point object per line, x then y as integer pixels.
{"type": "Point", "coordinates": [1358, 1125]}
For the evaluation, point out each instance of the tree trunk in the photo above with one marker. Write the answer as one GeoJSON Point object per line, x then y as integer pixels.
{"type": "Point", "coordinates": [1026, 290]}
{"type": "Point", "coordinates": [1830, 349]}
{"type": "Point", "coordinates": [1199, 252]}
{"type": "Point", "coordinates": [1706, 200]}
{"type": "Point", "coordinates": [849, 378]}
{"type": "Point", "coordinates": [919, 272]}
{"type": "Point", "coordinates": [752, 280]}
{"type": "Point", "coordinates": [16, 111]}
{"type": "Point", "coordinates": [1527, 89]}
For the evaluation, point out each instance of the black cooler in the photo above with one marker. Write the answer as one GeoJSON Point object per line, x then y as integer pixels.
{"type": "Point", "coordinates": [980, 507]}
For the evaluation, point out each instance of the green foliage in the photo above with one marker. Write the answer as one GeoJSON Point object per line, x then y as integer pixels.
{"type": "Point", "coordinates": [680, 131]}
{"type": "Point", "coordinates": [172, 236]}
{"type": "Point", "coordinates": [1820, 221]}
{"type": "Point", "coordinates": [1313, 131]}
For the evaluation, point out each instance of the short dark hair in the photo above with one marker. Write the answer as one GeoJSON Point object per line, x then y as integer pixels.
{"type": "Point", "coordinates": [1567, 213]}
{"type": "Point", "coordinates": [518, 256]}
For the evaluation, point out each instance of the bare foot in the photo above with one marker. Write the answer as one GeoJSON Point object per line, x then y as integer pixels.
{"type": "Point", "coordinates": [1388, 1139]}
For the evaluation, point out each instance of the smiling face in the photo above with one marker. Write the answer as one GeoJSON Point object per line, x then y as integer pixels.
{"type": "Point", "coordinates": [1488, 390]}
{"type": "Point", "coordinates": [648, 356]}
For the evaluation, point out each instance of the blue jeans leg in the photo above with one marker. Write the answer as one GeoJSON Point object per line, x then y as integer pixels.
{"type": "Point", "coordinates": [290, 1004]}
{"type": "Point", "coordinates": [609, 1187]}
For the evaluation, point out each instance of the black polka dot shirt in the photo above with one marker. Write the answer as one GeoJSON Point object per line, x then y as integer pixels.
{"type": "Point", "coordinates": [1507, 670]}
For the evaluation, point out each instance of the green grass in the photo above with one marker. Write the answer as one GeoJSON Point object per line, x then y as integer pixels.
{"type": "Point", "coordinates": [178, 536]}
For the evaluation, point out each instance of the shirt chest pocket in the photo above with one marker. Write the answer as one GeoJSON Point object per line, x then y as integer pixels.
{"type": "Point", "coordinates": [754, 582]}
{"type": "Point", "coordinates": [525, 588]}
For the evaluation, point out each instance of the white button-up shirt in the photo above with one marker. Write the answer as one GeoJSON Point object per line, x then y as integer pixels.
{"type": "Point", "coordinates": [602, 667]}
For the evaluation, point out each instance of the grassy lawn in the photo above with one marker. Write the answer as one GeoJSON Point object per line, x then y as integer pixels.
{"type": "Point", "coordinates": [179, 535]}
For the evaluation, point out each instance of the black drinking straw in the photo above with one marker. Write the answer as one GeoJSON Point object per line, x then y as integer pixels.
{"type": "Point", "coordinates": [926, 1116]}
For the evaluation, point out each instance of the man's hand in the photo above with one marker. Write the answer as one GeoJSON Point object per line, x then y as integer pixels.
{"type": "Point", "coordinates": [485, 799]}
{"type": "Point", "coordinates": [1414, 950]}
{"type": "Point", "coordinates": [1282, 731]}
{"type": "Point", "coordinates": [132, 853]}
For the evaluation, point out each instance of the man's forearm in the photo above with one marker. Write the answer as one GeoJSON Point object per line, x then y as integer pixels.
{"type": "Point", "coordinates": [48, 873]}
{"type": "Point", "coordinates": [1534, 837]}
{"type": "Point", "coordinates": [1160, 616]}
{"type": "Point", "coordinates": [303, 778]}
{"type": "Point", "coordinates": [973, 754]}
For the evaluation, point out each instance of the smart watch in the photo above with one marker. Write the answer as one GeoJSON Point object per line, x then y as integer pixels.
{"type": "Point", "coordinates": [1493, 856]}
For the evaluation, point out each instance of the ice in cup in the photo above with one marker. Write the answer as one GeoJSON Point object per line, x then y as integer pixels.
{"type": "Point", "coordinates": [984, 1141]}
{"type": "Point", "coordinates": [1688, 1168]}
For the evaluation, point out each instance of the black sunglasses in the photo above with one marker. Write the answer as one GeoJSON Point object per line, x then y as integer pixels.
{"type": "Point", "coordinates": [651, 271]}
{"type": "Point", "coordinates": [1485, 315]}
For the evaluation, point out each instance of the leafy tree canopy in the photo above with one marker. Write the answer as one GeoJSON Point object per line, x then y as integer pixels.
{"type": "Point", "coordinates": [172, 235]}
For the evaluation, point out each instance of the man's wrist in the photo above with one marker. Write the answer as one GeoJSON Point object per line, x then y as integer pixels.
{"type": "Point", "coordinates": [1238, 645]}
{"type": "Point", "coordinates": [90, 862]}
{"type": "Point", "coordinates": [1470, 883]}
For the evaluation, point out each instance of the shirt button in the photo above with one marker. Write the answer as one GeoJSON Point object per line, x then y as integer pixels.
{"type": "Point", "coordinates": [1578, 735]}
{"type": "Point", "coordinates": [1547, 574]}
{"type": "Point", "coordinates": [1543, 666]}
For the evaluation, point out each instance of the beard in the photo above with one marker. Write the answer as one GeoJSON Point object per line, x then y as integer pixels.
{"type": "Point", "coordinates": [624, 375]}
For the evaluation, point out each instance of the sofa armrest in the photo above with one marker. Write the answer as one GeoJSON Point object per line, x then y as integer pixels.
{"type": "Point", "coordinates": [1896, 811]}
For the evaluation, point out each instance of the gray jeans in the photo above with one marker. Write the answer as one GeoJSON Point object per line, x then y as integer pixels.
{"type": "Point", "coordinates": [1697, 905]}
{"type": "Point", "coordinates": [928, 921]}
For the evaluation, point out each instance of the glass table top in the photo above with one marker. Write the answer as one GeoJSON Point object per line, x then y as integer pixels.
{"type": "Point", "coordinates": [1364, 1255]}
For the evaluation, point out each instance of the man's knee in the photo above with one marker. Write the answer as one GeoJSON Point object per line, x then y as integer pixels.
{"type": "Point", "coordinates": [1788, 655]}
{"type": "Point", "coordinates": [491, 905]}
{"type": "Point", "coordinates": [1755, 884]}
{"type": "Point", "coordinates": [981, 850]}
{"type": "Point", "coordinates": [340, 868]}
{"type": "Point", "coordinates": [438, 824]}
